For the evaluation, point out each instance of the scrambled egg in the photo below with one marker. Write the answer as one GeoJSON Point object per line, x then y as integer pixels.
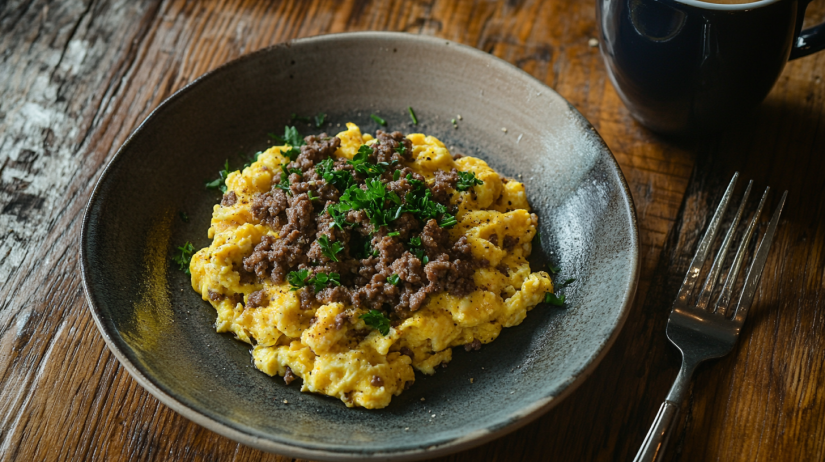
{"type": "Point", "coordinates": [327, 360]}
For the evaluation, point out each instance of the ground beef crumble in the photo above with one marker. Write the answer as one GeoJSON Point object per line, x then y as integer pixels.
{"type": "Point", "coordinates": [289, 376]}
{"type": "Point", "coordinates": [369, 256]}
{"type": "Point", "coordinates": [229, 199]}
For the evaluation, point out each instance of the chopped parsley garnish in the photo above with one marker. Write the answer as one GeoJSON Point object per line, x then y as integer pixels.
{"type": "Point", "coordinates": [220, 182]}
{"type": "Point", "coordinates": [339, 217]}
{"type": "Point", "coordinates": [401, 149]}
{"type": "Point", "coordinates": [284, 183]}
{"type": "Point", "coordinates": [467, 180]}
{"type": "Point", "coordinates": [361, 164]}
{"type": "Point", "coordinates": [448, 221]}
{"type": "Point", "coordinates": [319, 120]}
{"type": "Point", "coordinates": [291, 137]}
{"type": "Point", "coordinates": [394, 279]}
{"type": "Point", "coordinates": [553, 299]}
{"type": "Point", "coordinates": [396, 175]}
{"type": "Point", "coordinates": [251, 160]}
{"type": "Point", "coordinates": [322, 280]}
{"type": "Point", "coordinates": [378, 120]}
{"type": "Point", "coordinates": [393, 234]}
{"type": "Point", "coordinates": [185, 257]}
{"type": "Point", "coordinates": [292, 153]}
{"type": "Point", "coordinates": [184, 217]}
{"type": "Point", "coordinates": [311, 197]}
{"type": "Point", "coordinates": [553, 269]}
{"type": "Point", "coordinates": [330, 249]}
{"type": "Point", "coordinates": [377, 320]}
{"type": "Point", "coordinates": [300, 278]}
{"type": "Point", "coordinates": [341, 179]}
{"type": "Point", "coordinates": [365, 250]}
{"type": "Point", "coordinates": [415, 244]}
{"type": "Point", "coordinates": [382, 206]}
{"type": "Point", "coordinates": [295, 116]}
{"type": "Point", "coordinates": [412, 115]}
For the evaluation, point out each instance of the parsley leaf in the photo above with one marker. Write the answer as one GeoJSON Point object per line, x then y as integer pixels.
{"type": "Point", "coordinates": [341, 179]}
{"type": "Point", "coordinates": [568, 282]}
{"type": "Point", "coordinates": [185, 257]}
{"type": "Point", "coordinates": [447, 221]}
{"type": "Point", "coordinates": [378, 120]}
{"type": "Point", "coordinates": [330, 249]}
{"type": "Point", "coordinates": [365, 250]}
{"type": "Point", "coordinates": [311, 197]}
{"type": "Point", "coordinates": [377, 320]}
{"type": "Point", "coordinates": [412, 115]}
{"type": "Point", "coordinates": [220, 182]}
{"type": "Point", "coordinates": [322, 280]}
{"type": "Point", "coordinates": [553, 299]}
{"type": "Point", "coordinates": [284, 183]}
{"type": "Point", "coordinates": [361, 164]}
{"type": "Point", "coordinates": [291, 137]}
{"type": "Point", "coordinates": [467, 180]}
{"type": "Point", "coordinates": [415, 244]}
{"type": "Point", "coordinates": [292, 153]}
{"type": "Point", "coordinates": [401, 149]}
{"type": "Point", "coordinates": [319, 120]}
{"type": "Point", "coordinates": [394, 279]}
{"type": "Point", "coordinates": [393, 234]}
{"type": "Point", "coordinates": [553, 269]}
{"type": "Point", "coordinates": [295, 116]}
{"type": "Point", "coordinates": [252, 159]}
{"type": "Point", "coordinates": [396, 175]}
{"type": "Point", "coordinates": [298, 279]}
{"type": "Point", "coordinates": [339, 217]}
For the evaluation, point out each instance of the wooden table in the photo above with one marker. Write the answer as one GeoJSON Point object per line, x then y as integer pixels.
{"type": "Point", "coordinates": [77, 76]}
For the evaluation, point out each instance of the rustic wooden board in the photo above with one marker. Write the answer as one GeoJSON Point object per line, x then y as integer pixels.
{"type": "Point", "coordinates": [77, 76]}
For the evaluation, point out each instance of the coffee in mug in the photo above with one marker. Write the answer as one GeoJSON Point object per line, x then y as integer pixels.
{"type": "Point", "coordinates": [690, 66]}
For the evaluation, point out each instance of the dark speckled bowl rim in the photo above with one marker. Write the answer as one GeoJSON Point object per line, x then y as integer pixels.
{"type": "Point", "coordinates": [294, 450]}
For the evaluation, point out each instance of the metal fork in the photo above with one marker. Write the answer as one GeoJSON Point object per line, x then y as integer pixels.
{"type": "Point", "coordinates": [703, 332]}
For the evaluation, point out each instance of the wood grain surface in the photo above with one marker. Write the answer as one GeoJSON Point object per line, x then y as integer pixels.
{"type": "Point", "coordinates": [77, 76]}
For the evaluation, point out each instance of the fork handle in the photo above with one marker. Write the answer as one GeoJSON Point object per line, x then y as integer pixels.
{"type": "Point", "coordinates": [653, 447]}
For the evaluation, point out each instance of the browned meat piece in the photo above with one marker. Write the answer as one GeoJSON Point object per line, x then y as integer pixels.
{"type": "Point", "coordinates": [215, 296]}
{"type": "Point", "coordinates": [444, 185]}
{"type": "Point", "coordinates": [229, 199]}
{"type": "Point", "coordinates": [406, 351]}
{"type": "Point", "coordinates": [268, 208]}
{"type": "Point", "coordinates": [510, 242]}
{"type": "Point", "coordinates": [288, 376]}
{"type": "Point", "coordinates": [256, 299]}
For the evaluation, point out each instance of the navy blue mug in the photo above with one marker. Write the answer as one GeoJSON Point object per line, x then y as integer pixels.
{"type": "Point", "coordinates": [687, 66]}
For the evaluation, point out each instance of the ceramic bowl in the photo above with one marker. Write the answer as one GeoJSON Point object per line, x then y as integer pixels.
{"type": "Point", "coordinates": [163, 333]}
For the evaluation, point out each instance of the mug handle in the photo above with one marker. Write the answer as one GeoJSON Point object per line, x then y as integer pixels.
{"type": "Point", "coordinates": [808, 41]}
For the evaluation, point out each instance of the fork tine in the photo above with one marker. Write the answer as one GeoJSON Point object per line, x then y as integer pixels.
{"type": "Point", "coordinates": [702, 251]}
{"type": "Point", "coordinates": [716, 267]}
{"type": "Point", "coordinates": [727, 290]}
{"type": "Point", "coordinates": [758, 265]}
